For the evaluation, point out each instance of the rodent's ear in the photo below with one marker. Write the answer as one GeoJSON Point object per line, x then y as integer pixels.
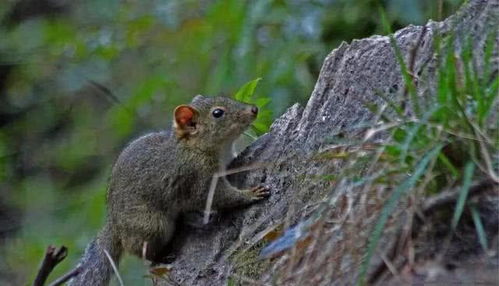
{"type": "Point", "coordinates": [185, 120]}
{"type": "Point", "coordinates": [198, 97]}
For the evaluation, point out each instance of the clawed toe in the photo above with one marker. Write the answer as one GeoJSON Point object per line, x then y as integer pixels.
{"type": "Point", "coordinates": [261, 192]}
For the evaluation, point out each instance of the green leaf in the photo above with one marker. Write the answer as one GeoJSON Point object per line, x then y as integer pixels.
{"type": "Point", "coordinates": [463, 193]}
{"type": "Point", "coordinates": [245, 93]}
{"type": "Point", "coordinates": [262, 101]}
{"type": "Point", "coordinates": [390, 205]}
{"type": "Point", "coordinates": [262, 123]}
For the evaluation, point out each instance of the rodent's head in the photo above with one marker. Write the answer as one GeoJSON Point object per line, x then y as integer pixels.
{"type": "Point", "coordinates": [212, 122]}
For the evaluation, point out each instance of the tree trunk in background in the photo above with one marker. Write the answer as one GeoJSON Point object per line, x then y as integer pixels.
{"type": "Point", "coordinates": [352, 76]}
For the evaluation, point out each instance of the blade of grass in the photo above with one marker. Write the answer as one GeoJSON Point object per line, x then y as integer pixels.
{"type": "Point", "coordinates": [488, 53]}
{"type": "Point", "coordinates": [463, 193]}
{"type": "Point", "coordinates": [390, 205]}
{"type": "Point", "coordinates": [413, 131]}
{"type": "Point", "coordinates": [391, 103]}
{"type": "Point", "coordinates": [480, 231]}
{"type": "Point", "coordinates": [471, 79]}
{"type": "Point", "coordinates": [445, 79]}
{"type": "Point", "coordinates": [448, 164]}
{"type": "Point", "coordinates": [490, 96]}
{"type": "Point", "coordinates": [456, 93]}
{"type": "Point", "coordinates": [407, 77]}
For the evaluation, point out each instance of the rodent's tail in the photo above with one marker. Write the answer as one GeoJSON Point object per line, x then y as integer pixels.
{"type": "Point", "coordinates": [96, 267]}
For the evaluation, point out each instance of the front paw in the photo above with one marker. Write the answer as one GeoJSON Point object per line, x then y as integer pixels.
{"type": "Point", "coordinates": [260, 193]}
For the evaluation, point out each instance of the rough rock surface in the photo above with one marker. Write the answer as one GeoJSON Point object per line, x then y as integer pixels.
{"type": "Point", "coordinates": [352, 75]}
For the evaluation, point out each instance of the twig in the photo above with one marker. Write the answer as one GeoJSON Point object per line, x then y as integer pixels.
{"type": "Point", "coordinates": [389, 264]}
{"type": "Point", "coordinates": [106, 91]}
{"type": "Point", "coordinates": [450, 197]}
{"type": "Point", "coordinates": [144, 251]}
{"type": "Point", "coordinates": [53, 256]}
{"type": "Point", "coordinates": [415, 49]}
{"type": "Point", "coordinates": [213, 186]}
{"type": "Point", "coordinates": [67, 276]}
{"type": "Point", "coordinates": [113, 98]}
{"type": "Point", "coordinates": [410, 69]}
{"type": "Point", "coordinates": [115, 269]}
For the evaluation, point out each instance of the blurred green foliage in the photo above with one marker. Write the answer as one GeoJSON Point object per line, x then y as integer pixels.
{"type": "Point", "coordinates": [79, 80]}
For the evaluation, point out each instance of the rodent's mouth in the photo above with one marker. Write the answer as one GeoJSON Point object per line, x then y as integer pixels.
{"type": "Point", "coordinates": [250, 123]}
{"type": "Point", "coordinates": [238, 129]}
{"type": "Point", "coordinates": [248, 120]}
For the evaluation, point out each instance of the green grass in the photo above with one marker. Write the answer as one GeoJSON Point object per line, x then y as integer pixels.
{"type": "Point", "coordinates": [463, 194]}
{"type": "Point", "coordinates": [455, 129]}
{"type": "Point", "coordinates": [400, 190]}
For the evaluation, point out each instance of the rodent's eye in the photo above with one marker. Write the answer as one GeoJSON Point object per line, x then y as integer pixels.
{"type": "Point", "coordinates": [217, 113]}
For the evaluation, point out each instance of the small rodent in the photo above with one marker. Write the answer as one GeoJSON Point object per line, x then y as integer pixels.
{"type": "Point", "coordinates": [161, 175]}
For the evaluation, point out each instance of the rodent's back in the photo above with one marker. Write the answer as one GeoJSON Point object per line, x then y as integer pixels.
{"type": "Point", "coordinates": [155, 171]}
{"type": "Point", "coordinates": [136, 169]}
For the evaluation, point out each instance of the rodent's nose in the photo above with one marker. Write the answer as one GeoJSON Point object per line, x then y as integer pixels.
{"type": "Point", "coordinates": [254, 110]}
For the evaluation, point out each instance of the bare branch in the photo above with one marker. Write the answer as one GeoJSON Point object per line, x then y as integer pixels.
{"type": "Point", "coordinates": [67, 276]}
{"type": "Point", "coordinates": [53, 256]}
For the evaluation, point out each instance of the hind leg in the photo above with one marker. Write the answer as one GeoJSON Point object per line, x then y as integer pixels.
{"type": "Point", "coordinates": [147, 234]}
